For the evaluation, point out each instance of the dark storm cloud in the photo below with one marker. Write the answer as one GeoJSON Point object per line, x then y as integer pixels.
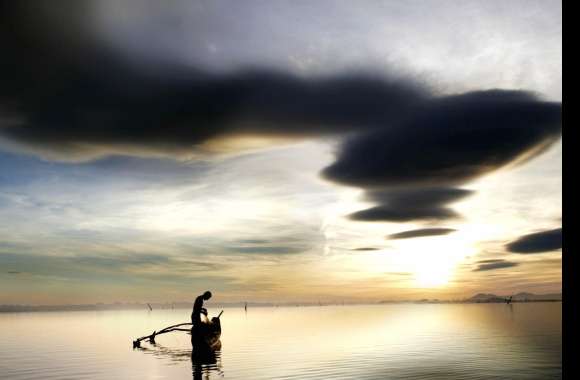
{"type": "Point", "coordinates": [499, 264]}
{"type": "Point", "coordinates": [85, 102]}
{"type": "Point", "coordinates": [449, 140]}
{"type": "Point", "coordinates": [66, 94]}
{"type": "Point", "coordinates": [421, 233]}
{"type": "Point", "coordinates": [94, 118]}
{"type": "Point", "coordinates": [544, 241]}
{"type": "Point", "coordinates": [411, 204]}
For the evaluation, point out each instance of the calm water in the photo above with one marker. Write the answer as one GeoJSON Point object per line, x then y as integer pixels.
{"type": "Point", "coordinates": [406, 341]}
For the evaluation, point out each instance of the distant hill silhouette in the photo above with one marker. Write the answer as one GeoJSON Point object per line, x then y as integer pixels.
{"type": "Point", "coordinates": [489, 298]}
{"type": "Point", "coordinates": [519, 297]}
{"type": "Point", "coordinates": [483, 297]}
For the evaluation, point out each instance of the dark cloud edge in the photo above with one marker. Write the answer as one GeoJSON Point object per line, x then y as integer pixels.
{"type": "Point", "coordinates": [538, 242]}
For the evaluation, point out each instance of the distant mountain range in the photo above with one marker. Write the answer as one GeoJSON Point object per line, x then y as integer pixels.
{"type": "Point", "coordinates": [519, 297]}
{"type": "Point", "coordinates": [490, 298]}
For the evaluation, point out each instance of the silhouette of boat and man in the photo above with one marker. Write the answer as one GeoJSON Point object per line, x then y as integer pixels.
{"type": "Point", "coordinates": [205, 332]}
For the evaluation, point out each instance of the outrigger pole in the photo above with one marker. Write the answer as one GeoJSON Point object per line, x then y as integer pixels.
{"type": "Point", "coordinates": [137, 342]}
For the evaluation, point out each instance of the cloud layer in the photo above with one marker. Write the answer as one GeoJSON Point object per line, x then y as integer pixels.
{"type": "Point", "coordinates": [447, 142]}
{"type": "Point", "coordinates": [85, 102]}
{"type": "Point", "coordinates": [422, 232]}
{"type": "Point", "coordinates": [405, 205]}
{"type": "Point", "coordinates": [409, 149]}
{"type": "Point", "coordinates": [487, 265]}
{"type": "Point", "coordinates": [538, 242]}
{"type": "Point", "coordinates": [450, 140]}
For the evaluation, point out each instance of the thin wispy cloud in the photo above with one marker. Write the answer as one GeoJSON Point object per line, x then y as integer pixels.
{"type": "Point", "coordinates": [423, 232]}
{"type": "Point", "coordinates": [500, 264]}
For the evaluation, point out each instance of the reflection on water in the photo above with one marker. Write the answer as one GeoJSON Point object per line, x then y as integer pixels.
{"type": "Point", "coordinates": [205, 364]}
{"type": "Point", "coordinates": [407, 341]}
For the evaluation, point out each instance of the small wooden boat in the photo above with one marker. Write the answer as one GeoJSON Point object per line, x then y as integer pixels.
{"type": "Point", "coordinates": [207, 335]}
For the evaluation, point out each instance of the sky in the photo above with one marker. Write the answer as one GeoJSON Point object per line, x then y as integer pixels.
{"type": "Point", "coordinates": [279, 151]}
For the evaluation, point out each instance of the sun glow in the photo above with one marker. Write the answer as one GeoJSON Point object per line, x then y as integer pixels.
{"type": "Point", "coordinates": [426, 262]}
{"type": "Point", "coordinates": [433, 261]}
{"type": "Point", "coordinates": [432, 277]}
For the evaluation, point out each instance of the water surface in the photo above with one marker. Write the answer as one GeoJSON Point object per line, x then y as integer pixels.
{"type": "Point", "coordinates": [397, 341]}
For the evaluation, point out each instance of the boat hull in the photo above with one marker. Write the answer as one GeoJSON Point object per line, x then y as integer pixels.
{"type": "Point", "coordinates": [207, 335]}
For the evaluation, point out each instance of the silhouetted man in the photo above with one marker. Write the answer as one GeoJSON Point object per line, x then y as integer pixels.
{"type": "Point", "coordinates": [198, 308]}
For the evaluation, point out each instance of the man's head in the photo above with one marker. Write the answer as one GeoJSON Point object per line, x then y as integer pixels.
{"type": "Point", "coordinates": [207, 295]}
